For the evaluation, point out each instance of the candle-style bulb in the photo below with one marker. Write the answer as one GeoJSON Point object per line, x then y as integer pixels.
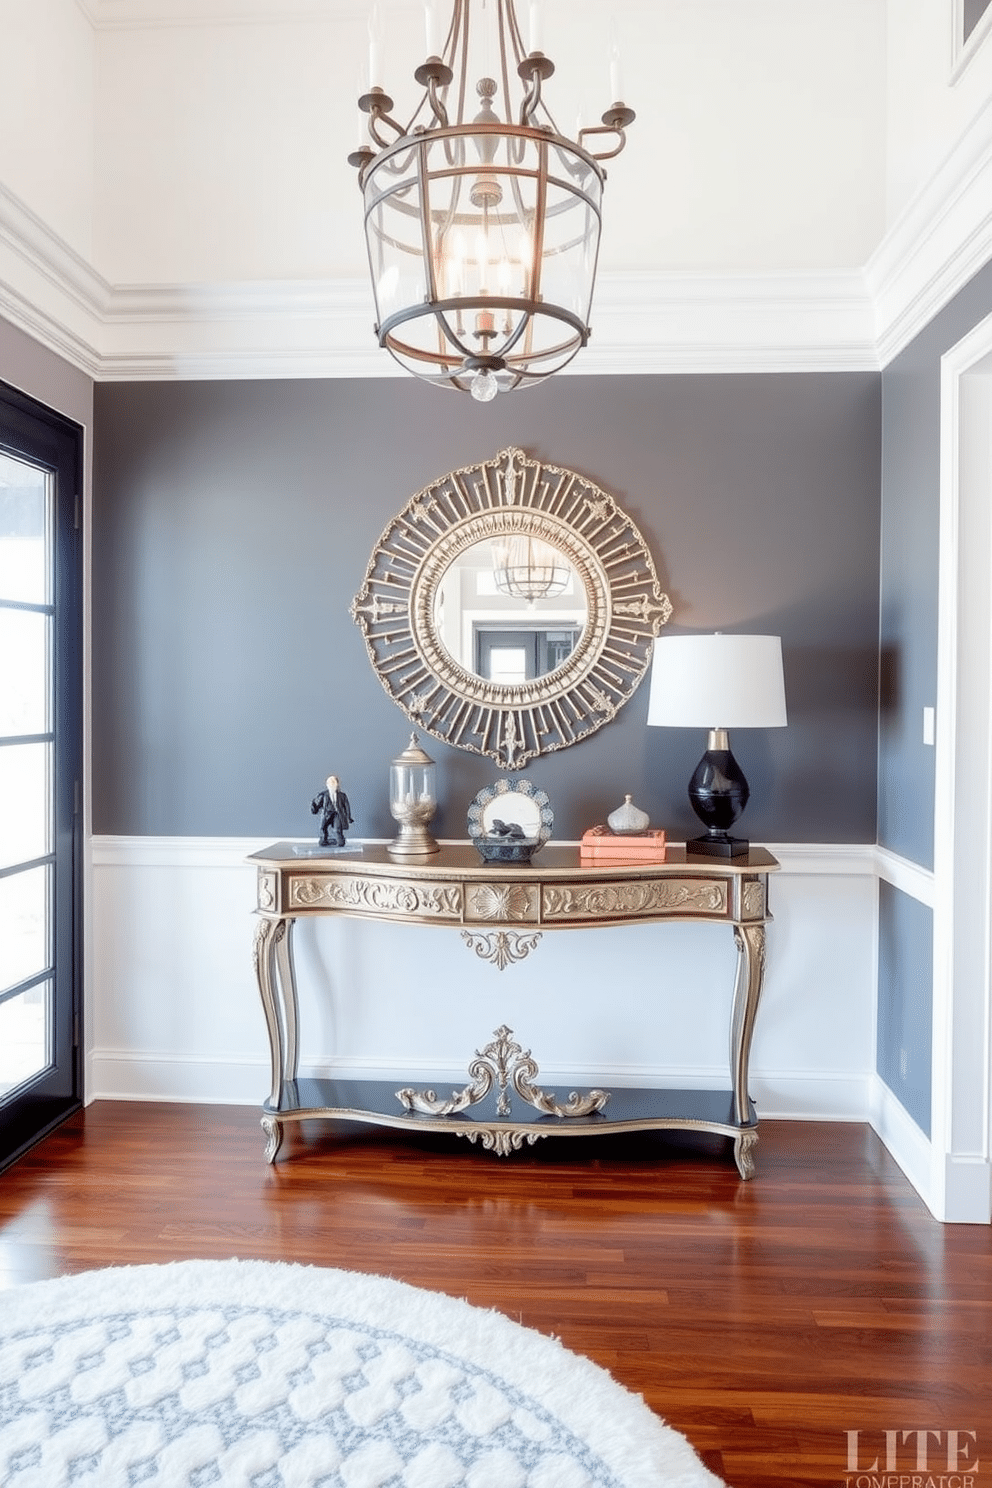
{"type": "Point", "coordinates": [616, 85]}
{"type": "Point", "coordinates": [534, 32]}
{"type": "Point", "coordinates": [432, 30]}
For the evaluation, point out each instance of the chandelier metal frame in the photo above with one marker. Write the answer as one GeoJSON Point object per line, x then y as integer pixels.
{"type": "Point", "coordinates": [489, 317]}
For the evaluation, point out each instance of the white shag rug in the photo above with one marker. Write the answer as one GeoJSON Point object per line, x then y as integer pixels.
{"type": "Point", "coordinates": [256, 1375]}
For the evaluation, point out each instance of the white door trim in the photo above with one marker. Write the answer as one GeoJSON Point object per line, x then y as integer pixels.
{"type": "Point", "coordinates": [961, 1136]}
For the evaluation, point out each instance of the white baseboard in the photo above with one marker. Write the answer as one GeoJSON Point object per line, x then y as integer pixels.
{"type": "Point", "coordinates": [960, 1192]}
{"type": "Point", "coordinates": [135, 1075]}
{"type": "Point", "coordinates": [814, 1096]}
{"type": "Point", "coordinates": [239, 1080]}
{"type": "Point", "coordinates": [905, 1141]}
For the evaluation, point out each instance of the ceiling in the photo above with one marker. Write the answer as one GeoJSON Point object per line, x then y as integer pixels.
{"type": "Point", "coordinates": [804, 179]}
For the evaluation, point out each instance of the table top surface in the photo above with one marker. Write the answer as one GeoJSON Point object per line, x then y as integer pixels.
{"type": "Point", "coordinates": [462, 860]}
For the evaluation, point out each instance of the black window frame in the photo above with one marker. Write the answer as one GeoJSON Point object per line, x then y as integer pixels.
{"type": "Point", "coordinates": [32, 432]}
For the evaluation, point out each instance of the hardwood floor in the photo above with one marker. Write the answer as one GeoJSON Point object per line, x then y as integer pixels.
{"type": "Point", "coordinates": [765, 1320]}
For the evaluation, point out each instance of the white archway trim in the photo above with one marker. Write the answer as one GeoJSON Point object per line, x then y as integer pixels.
{"type": "Point", "coordinates": [961, 1137]}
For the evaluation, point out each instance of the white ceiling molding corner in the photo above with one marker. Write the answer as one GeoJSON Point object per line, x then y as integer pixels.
{"type": "Point", "coordinates": [47, 289]}
{"type": "Point", "coordinates": [941, 238]}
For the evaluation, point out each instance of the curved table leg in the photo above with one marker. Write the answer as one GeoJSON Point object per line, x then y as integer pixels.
{"type": "Point", "coordinates": [288, 1004]}
{"type": "Point", "coordinates": [273, 1129]}
{"type": "Point", "coordinates": [747, 994]}
{"type": "Point", "coordinates": [744, 1146]}
{"type": "Point", "coordinates": [266, 933]}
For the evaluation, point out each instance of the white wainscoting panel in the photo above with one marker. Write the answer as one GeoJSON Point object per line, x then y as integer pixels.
{"type": "Point", "coordinates": [173, 1011]}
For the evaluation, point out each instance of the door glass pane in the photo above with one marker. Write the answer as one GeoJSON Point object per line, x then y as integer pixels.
{"type": "Point", "coordinates": [507, 664]}
{"type": "Point", "coordinates": [24, 1036]}
{"type": "Point", "coordinates": [40, 760]}
{"type": "Point", "coordinates": [24, 816]}
{"type": "Point", "coordinates": [23, 519]}
{"type": "Point", "coordinates": [24, 940]}
{"type": "Point", "coordinates": [23, 672]}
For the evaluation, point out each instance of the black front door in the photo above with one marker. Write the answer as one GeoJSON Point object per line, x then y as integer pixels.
{"type": "Point", "coordinates": [40, 769]}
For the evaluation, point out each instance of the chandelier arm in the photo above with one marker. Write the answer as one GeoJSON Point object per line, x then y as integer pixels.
{"type": "Point", "coordinates": [615, 122]}
{"type": "Point", "coordinates": [437, 107]}
{"type": "Point", "coordinates": [376, 117]}
{"type": "Point", "coordinates": [532, 97]}
{"type": "Point", "coordinates": [615, 130]}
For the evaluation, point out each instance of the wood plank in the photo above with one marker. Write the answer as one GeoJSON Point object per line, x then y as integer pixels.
{"type": "Point", "coordinates": [765, 1319]}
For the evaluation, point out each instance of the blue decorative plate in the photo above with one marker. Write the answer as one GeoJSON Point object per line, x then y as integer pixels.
{"type": "Point", "coordinates": [507, 805]}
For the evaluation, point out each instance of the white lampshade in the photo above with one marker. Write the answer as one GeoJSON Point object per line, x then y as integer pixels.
{"type": "Point", "coordinates": [717, 682]}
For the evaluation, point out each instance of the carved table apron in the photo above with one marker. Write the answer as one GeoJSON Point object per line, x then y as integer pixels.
{"type": "Point", "coordinates": [502, 913]}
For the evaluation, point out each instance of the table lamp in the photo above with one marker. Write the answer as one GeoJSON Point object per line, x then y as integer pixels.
{"type": "Point", "coordinates": [717, 682]}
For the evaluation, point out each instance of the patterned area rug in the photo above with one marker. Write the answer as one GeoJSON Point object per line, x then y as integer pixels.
{"type": "Point", "coordinates": [277, 1376]}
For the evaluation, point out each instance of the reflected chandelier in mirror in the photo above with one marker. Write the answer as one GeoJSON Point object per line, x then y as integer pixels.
{"type": "Point", "coordinates": [510, 608]}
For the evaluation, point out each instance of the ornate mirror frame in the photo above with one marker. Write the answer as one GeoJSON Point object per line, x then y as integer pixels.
{"type": "Point", "coordinates": [508, 495]}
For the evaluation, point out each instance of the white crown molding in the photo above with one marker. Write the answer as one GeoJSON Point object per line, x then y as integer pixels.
{"type": "Point", "coordinates": [654, 322]}
{"type": "Point", "coordinates": [48, 289]}
{"type": "Point", "coordinates": [941, 238]}
{"type": "Point", "coordinates": [642, 322]}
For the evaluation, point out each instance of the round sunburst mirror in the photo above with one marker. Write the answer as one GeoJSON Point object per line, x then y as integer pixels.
{"type": "Point", "coordinates": [510, 608]}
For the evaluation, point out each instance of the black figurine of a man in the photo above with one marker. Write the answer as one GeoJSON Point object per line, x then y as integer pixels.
{"type": "Point", "coordinates": [335, 812]}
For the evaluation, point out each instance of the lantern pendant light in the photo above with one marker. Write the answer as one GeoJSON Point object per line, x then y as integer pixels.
{"type": "Point", "coordinates": [482, 219]}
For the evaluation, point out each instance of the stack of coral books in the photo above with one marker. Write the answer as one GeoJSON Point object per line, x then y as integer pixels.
{"type": "Point", "coordinates": [600, 845]}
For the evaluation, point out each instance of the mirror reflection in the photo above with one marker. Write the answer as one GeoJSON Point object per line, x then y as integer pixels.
{"type": "Point", "coordinates": [509, 609]}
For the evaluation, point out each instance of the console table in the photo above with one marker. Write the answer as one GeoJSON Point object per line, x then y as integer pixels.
{"type": "Point", "coordinates": [502, 913]}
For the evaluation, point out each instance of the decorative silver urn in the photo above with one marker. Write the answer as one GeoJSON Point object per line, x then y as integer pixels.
{"type": "Point", "coordinates": [628, 820]}
{"type": "Point", "coordinates": [412, 801]}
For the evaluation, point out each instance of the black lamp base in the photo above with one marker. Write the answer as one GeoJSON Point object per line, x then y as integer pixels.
{"type": "Point", "coordinates": [718, 793]}
{"type": "Point", "coordinates": [717, 845]}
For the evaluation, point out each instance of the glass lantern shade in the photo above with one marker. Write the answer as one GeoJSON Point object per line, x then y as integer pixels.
{"type": "Point", "coordinates": [483, 242]}
{"type": "Point", "coordinates": [527, 568]}
{"type": "Point", "coordinates": [412, 801]}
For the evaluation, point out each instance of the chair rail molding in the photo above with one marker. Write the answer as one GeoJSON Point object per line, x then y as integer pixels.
{"type": "Point", "coordinates": [173, 1012]}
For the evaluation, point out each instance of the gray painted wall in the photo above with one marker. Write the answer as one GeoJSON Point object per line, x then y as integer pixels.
{"type": "Point", "coordinates": [233, 522]}
{"type": "Point", "coordinates": [910, 526]}
{"type": "Point", "coordinates": [35, 370]}
{"type": "Point", "coordinates": [905, 997]}
{"type": "Point", "coordinates": [908, 599]}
